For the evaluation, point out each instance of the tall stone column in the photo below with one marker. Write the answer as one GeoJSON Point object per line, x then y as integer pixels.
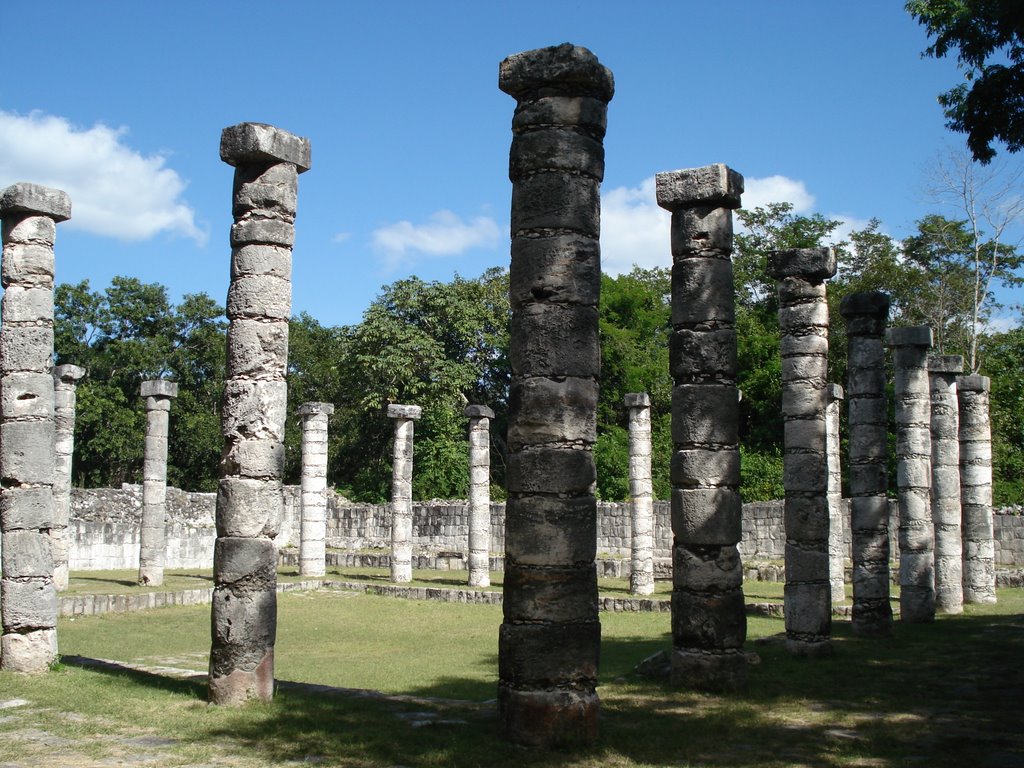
{"type": "Point", "coordinates": [976, 489]}
{"type": "Point", "coordinates": [914, 472]}
{"type": "Point", "coordinates": [803, 321]}
{"type": "Point", "coordinates": [550, 638]}
{"type": "Point", "coordinates": [65, 379]}
{"type": "Point", "coordinates": [29, 215]}
{"type": "Point", "coordinates": [945, 434]}
{"type": "Point", "coordinates": [479, 494]}
{"type": "Point", "coordinates": [866, 315]}
{"type": "Point", "coordinates": [836, 545]}
{"type": "Point", "coordinates": [401, 490]}
{"type": "Point", "coordinates": [313, 527]}
{"type": "Point", "coordinates": [709, 623]}
{"type": "Point", "coordinates": [267, 162]}
{"type": "Point", "coordinates": [641, 494]}
{"type": "Point", "coordinates": [152, 548]}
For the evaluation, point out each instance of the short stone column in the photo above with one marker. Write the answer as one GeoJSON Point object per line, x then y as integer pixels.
{"type": "Point", "coordinates": [641, 495]}
{"type": "Point", "coordinates": [866, 315]}
{"type": "Point", "coordinates": [836, 544]}
{"type": "Point", "coordinates": [65, 380]}
{"type": "Point", "coordinates": [152, 535]}
{"type": "Point", "coordinates": [914, 472]}
{"type": "Point", "coordinates": [313, 528]}
{"type": "Point", "coordinates": [976, 489]}
{"type": "Point", "coordinates": [479, 494]}
{"type": "Point", "coordinates": [267, 162]}
{"type": "Point", "coordinates": [549, 642]}
{"type": "Point", "coordinates": [709, 623]}
{"type": "Point", "coordinates": [945, 432]}
{"type": "Point", "coordinates": [29, 215]}
{"type": "Point", "coordinates": [803, 322]}
{"type": "Point", "coordinates": [404, 417]}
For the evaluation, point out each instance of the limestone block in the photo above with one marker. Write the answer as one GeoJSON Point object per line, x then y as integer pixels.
{"type": "Point", "coordinates": [262, 231]}
{"type": "Point", "coordinates": [811, 264]}
{"type": "Point", "coordinates": [248, 508]}
{"type": "Point", "coordinates": [28, 509]}
{"type": "Point", "coordinates": [806, 518]}
{"type": "Point", "coordinates": [715, 672]}
{"type": "Point", "coordinates": [25, 198]}
{"type": "Point", "coordinates": [259, 259]}
{"type": "Point", "coordinates": [396, 411]}
{"type": "Point", "coordinates": [267, 191]}
{"type": "Point", "coordinates": [28, 653]}
{"type": "Point", "coordinates": [637, 400]}
{"type": "Point", "coordinates": [711, 620]}
{"type": "Point", "coordinates": [803, 315]}
{"type": "Point", "coordinates": [28, 604]}
{"type": "Point", "coordinates": [809, 608]}
{"type": "Point", "coordinates": [550, 531]}
{"type": "Point", "coordinates": [27, 264]}
{"type": "Point", "coordinates": [798, 290]}
{"type": "Point", "coordinates": [245, 620]}
{"type": "Point", "coordinates": [26, 348]}
{"type": "Point", "coordinates": [158, 388]}
{"type": "Point", "coordinates": [867, 379]}
{"type": "Point", "coordinates": [713, 569]}
{"type": "Point", "coordinates": [705, 414]}
{"type": "Point", "coordinates": [914, 442]}
{"type": "Point", "coordinates": [808, 370]}
{"type": "Point", "coordinates": [27, 304]}
{"type": "Point", "coordinates": [31, 230]}
{"type": "Point", "coordinates": [710, 185]}
{"type": "Point", "coordinates": [564, 69]}
{"type": "Point", "coordinates": [814, 343]}
{"type": "Point", "coordinates": [707, 516]}
{"type": "Point", "coordinates": [868, 476]}
{"type": "Point", "coordinates": [247, 143]}
{"type": "Point", "coordinates": [26, 452]}
{"type": "Point", "coordinates": [26, 395]}
{"type": "Point", "coordinates": [585, 112]}
{"type": "Point", "coordinates": [244, 560]}
{"type": "Point", "coordinates": [26, 555]}
{"type": "Point", "coordinates": [708, 354]}
{"type": "Point", "coordinates": [546, 655]}
{"type": "Point", "coordinates": [548, 718]}
{"type": "Point", "coordinates": [562, 268]}
{"type": "Point", "coordinates": [555, 149]}
{"type": "Point", "coordinates": [805, 435]}
{"type": "Point", "coordinates": [871, 580]}
{"type": "Point", "coordinates": [697, 296]}
{"type": "Point", "coordinates": [565, 594]}
{"type": "Point", "coordinates": [804, 400]}
{"type": "Point", "coordinates": [870, 305]}
{"type": "Point", "coordinates": [255, 347]}
{"type": "Point", "coordinates": [909, 336]}
{"type": "Point", "coordinates": [805, 563]}
{"type": "Point", "coordinates": [254, 410]}
{"type": "Point", "coordinates": [543, 410]}
{"type": "Point", "coordinates": [805, 472]}
{"type": "Point", "coordinates": [701, 229]}
{"type": "Point", "coordinates": [551, 470]}
{"type": "Point", "coordinates": [703, 467]}
{"type": "Point", "coordinates": [555, 200]}
{"type": "Point", "coordinates": [917, 569]}
{"type": "Point", "coordinates": [556, 340]}
{"type": "Point", "coordinates": [315, 409]}
{"type": "Point", "coordinates": [914, 473]}
{"type": "Point", "coordinates": [259, 296]}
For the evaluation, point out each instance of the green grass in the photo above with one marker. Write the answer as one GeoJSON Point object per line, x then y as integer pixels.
{"type": "Point", "coordinates": [946, 694]}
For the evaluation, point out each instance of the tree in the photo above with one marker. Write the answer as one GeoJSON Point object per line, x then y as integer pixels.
{"type": "Point", "coordinates": [988, 36]}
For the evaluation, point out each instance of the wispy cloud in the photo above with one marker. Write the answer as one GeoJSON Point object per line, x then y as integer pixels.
{"type": "Point", "coordinates": [115, 191]}
{"type": "Point", "coordinates": [444, 234]}
{"type": "Point", "coordinates": [777, 189]}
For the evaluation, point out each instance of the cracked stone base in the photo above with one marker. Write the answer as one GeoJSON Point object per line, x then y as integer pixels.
{"type": "Point", "coordinates": [548, 718]}
{"type": "Point", "coordinates": [29, 653]}
{"type": "Point", "coordinates": [712, 672]}
{"type": "Point", "coordinates": [810, 649]}
{"type": "Point", "coordinates": [242, 686]}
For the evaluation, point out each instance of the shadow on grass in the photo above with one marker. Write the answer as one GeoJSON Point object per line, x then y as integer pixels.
{"type": "Point", "coordinates": [98, 580]}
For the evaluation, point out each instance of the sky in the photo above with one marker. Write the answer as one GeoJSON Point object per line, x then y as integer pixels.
{"type": "Point", "coordinates": [826, 105]}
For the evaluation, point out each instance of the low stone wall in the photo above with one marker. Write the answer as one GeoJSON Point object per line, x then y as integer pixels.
{"type": "Point", "coordinates": [104, 531]}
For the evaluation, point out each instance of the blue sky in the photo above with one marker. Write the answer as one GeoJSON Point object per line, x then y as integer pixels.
{"type": "Point", "coordinates": [825, 104]}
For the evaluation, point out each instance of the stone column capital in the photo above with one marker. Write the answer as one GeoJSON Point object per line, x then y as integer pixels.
{"type": "Point", "coordinates": [396, 411]}
{"type": "Point", "coordinates": [158, 388]}
{"type": "Point", "coordinates": [710, 186]}
{"type": "Point", "coordinates": [810, 264]}
{"type": "Point", "coordinates": [315, 409]}
{"type": "Point", "coordinates": [909, 336]}
{"type": "Point", "coordinates": [946, 364]}
{"type": "Point", "coordinates": [68, 374]}
{"type": "Point", "coordinates": [261, 143]}
{"type": "Point", "coordinates": [973, 383]}
{"type": "Point", "coordinates": [637, 400]}
{"type": "Point", "coordinates": [834, 392]}
{"type": "Point", "coordinates": [478, 412]}
{"type": "Point", "coordinates": [561, 70]}
{"type": "Point", "coordinates": [35, 200]}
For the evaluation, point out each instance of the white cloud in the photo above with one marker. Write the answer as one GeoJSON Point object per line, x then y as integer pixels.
{"type": "Point", "coordinates": [445, 234]}
{"type": "Point", "coordinates": [115, 191]}
{"type": "Point", "coordinates": [777, 189]}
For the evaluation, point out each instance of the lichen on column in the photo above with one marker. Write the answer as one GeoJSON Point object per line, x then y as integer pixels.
{"type": "Point", "coordinates": [550, 638]}
{"type": "Point", "coordinates": [28, 595]}
{"type": "Point", "coordinates": [709, 624]}
{"type": "Point", "coordinates": [803, 322]}
{"type": "Point", "coordinates": [405, 417]}
{"type": "Point", "coordinates": [267, 162]}
{"type": "Point", "coordinates": [641, 495]}
{"type": "Point", "coordinates": [65, 379]}
{"type": "Point", "coordinates": [945, 432]}
{"type": "Point", "coordinates": [976, 489]}
{"type": "Point", "coordinates": [152, 535]}
{"type": "Point", "coordinates": [479, 494]}
{"type": "Point", "coordinates": [914, 471]}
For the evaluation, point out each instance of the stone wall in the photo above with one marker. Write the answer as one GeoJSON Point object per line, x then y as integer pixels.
{"type": "Point", "coordinates": [104, 529]}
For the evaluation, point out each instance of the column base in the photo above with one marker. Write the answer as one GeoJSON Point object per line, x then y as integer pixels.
{"type": "Point", "coordinates": [151, 576]}
{"type": "Point", "coordinates": [548, 718]}
{"type": "Point", "coordinates": [29, 653]}
{"type": "Point", "coordinates": [810, 649]}
{"type": "Point", "coordinates": [241, 686]}
{"type": "Point", "coordinates": [917, 605]}
{"type": "Point", "coordinates": [871, 620]}
{"type": "Point", "coordinates": [711, 672]}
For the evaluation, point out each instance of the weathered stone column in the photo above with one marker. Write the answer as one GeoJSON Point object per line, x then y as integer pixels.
{"type": "Point", "coordinates": [914, 472]}
{"type": "Point", "coordinates": [313, 528]}
{"type": "Point", "coordinates": [641, 494]}
{"type": "Point", "coordinates": [976, 489]}
{"type": "Point", "coordinates": [836, 545]}
{"type": "Point", "coordinates": [401, 490]}
{"type": "Point", "coordinates": [267, 162]}
{"type": "Point", "coordinates": [29, 215]}
{"type": "Point", "coordinates": [152, 535]}
{"type": "Point", "coordinates": [709, 623]}
{"type": "Point", "coordinates": [479, 494]}
{"type": "Point", "coordinates": [65, 379]}
{"type": "Point", "coordinates": [549, 641]}
{"type": "Point", "coordinates": [866, 315]}
{"type": "Point", "coordinates": [803, 322]}
{"type": "Point", "coordinates": [945, 434]}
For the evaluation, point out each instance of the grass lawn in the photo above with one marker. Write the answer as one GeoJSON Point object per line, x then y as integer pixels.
{"type": "Point", "coordinates": [946, 694]}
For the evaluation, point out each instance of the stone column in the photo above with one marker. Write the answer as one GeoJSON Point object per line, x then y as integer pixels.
{"type": "Point", "coordinates": [29, 215]}
{"type": "Point", "coordinates": [267, 162]}
{"type": "Point", "coordinates": [641, 494]}
{"type": "Point", "coordinates": [803, 322]}
{"type": "Point", "coordinates": [313, 528]}
{"type": "Point", "coordinates": [945, 434]}
{"type": "Point", "coordinates": [401, 491]}
{"type": "Point", "coordinates": [836, 545]}
{"type": "Point", "coordinates": [709, 623]}
{"type": "Point", "coordinates": [479, 494]}
{"type": "Point", "coordinates": [152, 550]}
{"type": "Point", "coordinates": [866, 315]}
{"type": "Point", "coordinates": [65, 379]}
{"type": "Point", "coordinates": [976, 489]}
{"type": "Point", "coordinates": [550, 638]}
{"type": "Point", "coordinates": [914, 472]}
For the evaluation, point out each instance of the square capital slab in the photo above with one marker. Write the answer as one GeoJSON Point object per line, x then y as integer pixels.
{"type": "Point", "coordinates": [261, 143]}
{"type": "Point", "coordinates": [909, 336]}
{"type": "Point", "coordinates": [871, 303]}
{"type": "Point", "coordinates": [478, 412]}
{"type": "Point", "coordinates": [158, 388]}
{"type": "Point", "coordinates": [315, 409]}
{"type": "Point", "coordinates": [834, 392]}
{"type": "Point", "coordinates": [68, 373]}
{"type": "Point", "coordinates": [35, 199]}
{"type": "Point", "coordinates": [812, 264]}
{"type": "Point", "coordinates": [637, 400]}
{"type": "Point", "coordinates": [945, 363]}
{"type": "Point", "coordinates": [715, 185]}
{"type": "Point", "coordinates": [973, 383]}
{"type": "Point", "coordinates": [563, 70]}
{"type": "Point", "coordinates": [396, 411]}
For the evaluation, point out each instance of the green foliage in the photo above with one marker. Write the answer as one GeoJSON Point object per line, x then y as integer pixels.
{"type": "Point", "coordinates": [611, 456]}
{"type": "Point", "coordinates": [760, 475]}
{"type": "Point", "coordinates": [988, 37]}
{"type": "Point", "coordinates": [1003, 361]}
